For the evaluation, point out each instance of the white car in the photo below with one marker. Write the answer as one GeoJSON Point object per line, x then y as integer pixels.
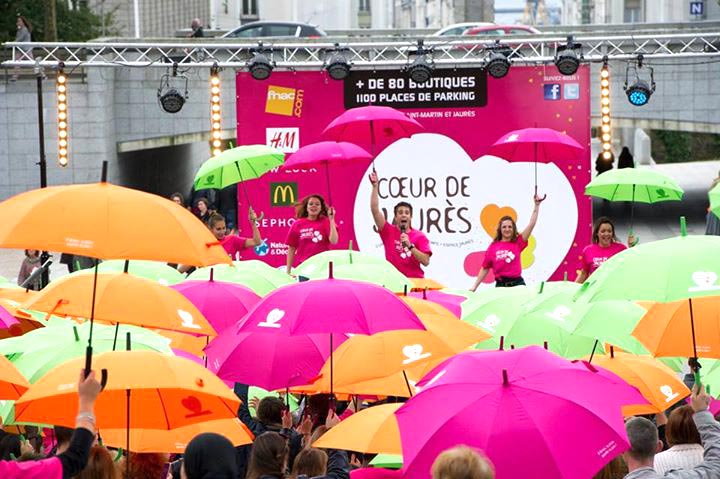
{"type": "Point", "coordinates": [457, 29]}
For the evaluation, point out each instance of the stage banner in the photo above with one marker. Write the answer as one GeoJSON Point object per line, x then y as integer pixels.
{"type": "Point", "coordinates": [458, 193]}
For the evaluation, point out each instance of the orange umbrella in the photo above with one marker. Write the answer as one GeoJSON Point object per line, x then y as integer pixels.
{"type": "Point", "coordinates": [420, 284]}
{"type": "Point", "coordinates": [656, 382]}
{"type": "Point", "coordinates": [17, 294]}
{"type": "Point", "coordinates": [669, 329]}
{"type": "Point", "coordinates": [121, 298]}
{"type": "Point", "coordinates": [373, 431]}
{"type": "Point", "coordinates": [163, 391]}
{"type": "Point", "coordinates": [186, 342]}
{"type": "Point", "coordinates": [25, 321]}
{"type": "Point", "coordinates": [12, 383]}
{"type": "Point", "coordinates": [175, 440]}
{"type": "Point", "coordinates": [101, 220]}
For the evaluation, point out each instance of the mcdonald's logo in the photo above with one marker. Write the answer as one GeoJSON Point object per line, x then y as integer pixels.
{"type": "Point", "coordinates": [283, 194]}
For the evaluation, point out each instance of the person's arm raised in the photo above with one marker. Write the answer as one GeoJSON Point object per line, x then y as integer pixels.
{"type": "Point", "coordinates": [709, 434]}
{"type": "Point", "coordinates": [375, 203]}
{"type": "Point", "coordinates": [256, 239]}
{"type": "Point", "coordinates": [533, 218]}
{"type": "Point", "coordinates": [333, 239]}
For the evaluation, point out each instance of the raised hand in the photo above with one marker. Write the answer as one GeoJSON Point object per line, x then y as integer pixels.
{"type": "Point", "coordinates": [373, 178]}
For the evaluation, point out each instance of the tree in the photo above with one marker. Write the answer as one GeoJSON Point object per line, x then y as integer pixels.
{"type": "Point", "coordinates": [73, 25]}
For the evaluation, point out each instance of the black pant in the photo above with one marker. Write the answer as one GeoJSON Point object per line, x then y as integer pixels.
{"type": "Point", "coordinates": [509, 282]}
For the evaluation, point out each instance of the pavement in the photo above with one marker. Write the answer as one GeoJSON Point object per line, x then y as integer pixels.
{"type": "Point", "coordinates": [652, 222]}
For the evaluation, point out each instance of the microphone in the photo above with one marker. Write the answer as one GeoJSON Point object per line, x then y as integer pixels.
{"type": "Point", "coordinates": [403, 227]}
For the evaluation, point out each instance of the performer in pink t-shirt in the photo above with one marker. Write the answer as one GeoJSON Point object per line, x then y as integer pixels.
{"type": "Point", "coordinates": [406, 248]}
{"type": "Point", "coordinates": [503, 254]}
{"type": "Point", "coordinates": [604, 246]}
{"type": "Point", "coordinates": [313, 231]}
{"type": "Point", "coordinates": [234, 244]}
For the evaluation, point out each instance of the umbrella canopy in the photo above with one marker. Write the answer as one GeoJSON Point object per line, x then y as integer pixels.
{"type": "Point", "coordinates": [175, 440]}
{"type": "Point", "coordinates": [327, 152]}
{"type": "Point", "coordinates": [12, 383]}
{"type": "Point", "coordinates": [371, 431]}
{"type": "Point", "coordinates": [634, 184]}
{"type": "Point", "coordinates": [448, 299]}
{"type": "Point", "coordinates": [714, 196]}
{"type": "Point", "coordinates": [543, 145]}
{"type": "Point", "coordinates": [166, 392]}
{"type": "Point", "coordinates": [381, 274]}
{"type": "Point", "coordinates": [320, 263]}
{"type": "Point", "coordinates": [154, 270]}
{"type": "Point", "coordinates": [121, 298]}
{"type": "Point", "coordinates": [222, 304]}
{"type": "Point", "coordinates": [425, 284]}
{"type": "Point", "coordinates": [7, 320]}
{"type": "Point", "coordinates": [259, 279]}
{"type": "Point", "coordinates": [528, 396]}
{"type": "Point", "coordinates": [107, 221]}
{"type": "Point", "coordinates": [658, 384]}
{"type": "Point", "coordinates": [372, 125]}
{"type": "Point", "coordinates": [330, 306]}
{"type": "Point", "coordinates": [236, 165]}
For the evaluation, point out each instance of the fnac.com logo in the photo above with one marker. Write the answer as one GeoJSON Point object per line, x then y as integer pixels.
{"type": "Point", "coordinates": [284, 101]}
{"type": "Point", "coordinates": [283, 194]}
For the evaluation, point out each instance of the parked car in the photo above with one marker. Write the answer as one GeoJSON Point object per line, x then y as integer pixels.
{"type": "Point", "coordinates": [499, 30]}
{"type": "Point", "coordinates": [459, 28]}
{"type": "Point", "coordinates": [275, 29]}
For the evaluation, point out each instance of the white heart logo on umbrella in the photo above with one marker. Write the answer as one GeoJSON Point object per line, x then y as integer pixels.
{"type": "Point", "coordinates": [704, 281]}
{"type": "Point", "coordinates": [513, 137]}
{"type": "Point", "coordinates": [559, 314]}
{"type": "Point", "coordinates": [668, 392]}
{"type": "Point", "coordinates": [414, 352]}
{"type": "Point", "coordinates": [490, 322]}
{"type": "Point", "coordinates": [272, 320]}
{"type": "Point", "coordinates": [187, 320]}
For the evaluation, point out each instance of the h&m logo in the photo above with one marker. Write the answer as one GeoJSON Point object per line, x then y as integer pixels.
{"type": "Point", "coordinates": [283, 194]}
{"type": "Point", "coordinates": [284, 101]}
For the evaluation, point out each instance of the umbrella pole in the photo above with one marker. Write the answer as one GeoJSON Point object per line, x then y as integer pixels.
{"type": "Point", "coordinates": [593, 351]}
{"type": "Point", "coordinates": [632, 210]}
{"type": "Point", "coordinates": [242, 184]}
{"type": "Point", "coordinates": [535, 163]}
{"type": "Point", "coordinates": [372, 144]}
{"type": "Point", "coordinates": [407, 383]}
{"type": "Point", "coordinates": [117, 327]}
{"type": "Point", "coordinates": [327, 179]}
{"type": "Point", "coordinates": [692, 328]}
{"type": "Point", "coordinates": [127, 435]}
{"type": "Point", "coordinates": [331, 364]}
{"type": "Point", "coordinates": [88, 350]}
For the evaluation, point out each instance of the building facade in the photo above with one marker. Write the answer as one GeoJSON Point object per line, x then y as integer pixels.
{"type": "Point", "coordinates": [575, 12]}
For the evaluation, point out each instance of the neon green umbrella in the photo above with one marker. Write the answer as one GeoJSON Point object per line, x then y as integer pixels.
{"type": "Point", "coordinates": [387, 461]}
{"type": "Point", "coordinates": [666, 270]}
{"type": "Point", "coordinates": [495, 310]}
{"type": "Point", "coordinates": [385, 275]}
{"type": "Point", "coordinates": [714, 196]}
{"type": "Point", "coordinates": [260, 393]}
{"type": "Point", "coordinates": [634, 184]}
{"type": "Point", "coordinates": [274, 275]}
{"type": "Point", "coordinates": [318, 264]}
{"type": "Point", "coordinates": [154, 270]}
{"type": "Point", "coordinates": [253, 280]}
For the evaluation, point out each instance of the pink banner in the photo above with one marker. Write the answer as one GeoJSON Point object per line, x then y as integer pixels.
{"type": "Point", "coordinates": [458, 194]}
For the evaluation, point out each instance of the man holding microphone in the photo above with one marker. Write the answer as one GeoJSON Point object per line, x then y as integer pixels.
{"type": "Point", "coordinates": [406, 248]}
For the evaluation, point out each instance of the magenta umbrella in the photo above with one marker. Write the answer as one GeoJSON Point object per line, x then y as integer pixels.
{"type": "Point", "coordinates": [223, 304]}
{"type": "Point", "coordinates": [267, 359]}
{"type": "Point", "coordinates": [532, 412]}
{"type": "Point", "coordinates": [323, 154]}
{"type": "Point", "coordinates": [7, 320]}
{"type": "Point", "coordinates": [451, 302]}
{"type": "Point", "coordinates": [543, 145]}
{"type": "Point", "coordinates": [370, 125]}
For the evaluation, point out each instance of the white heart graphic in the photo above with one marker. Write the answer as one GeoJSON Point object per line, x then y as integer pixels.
{"type": "Point", "coordinates": [272, 320]}
{"type": "Point", "coordinates": [668, 392]}
{"type": "Point", "coordinates": [414, 352]}
{"type": "Point", "coordinates": [704, 281]}
{"type": "Point", "coordinates": [560, 313]}
{"type": "Point", "coordinates": [187, 320]}
{"type": "Point", "coordinates": [490, 322]}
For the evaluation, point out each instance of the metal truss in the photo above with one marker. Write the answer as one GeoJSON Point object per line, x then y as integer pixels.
{"type": "Point", "coordinates": [538, 49]}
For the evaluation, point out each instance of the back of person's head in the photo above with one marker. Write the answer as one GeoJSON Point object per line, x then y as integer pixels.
{"type": "Point", "coordinates": [318, 406]}
{"type": "Point", "coordinates": [310, 462]}
{"type": "Point", "coordinates": [615, 469]}
{"type": "Point", "coordinates": [9, 447]}
{"type": "Point", "coordinates": [680, 428]}
{"type": "Point", "coordinates": [210, 455]}
{"type": "Point", "coordinates": [318, 432]}
{"type": "Point", "coordinates": [147, 465]}
{"type": "Point", "coordinates": [643, 437]}
{"type": "Point", "coordinates": [100, 465]}
{"type": "Point", "coordinates": [268, 456]}
{"type": "Point", "coordinates": [270, 410]}
{"type": "Point", "coordinates": [462, 462]}
{"type": "Point", "coordinates": [63, 435]}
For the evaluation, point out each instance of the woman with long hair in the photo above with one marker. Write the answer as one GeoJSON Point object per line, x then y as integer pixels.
{"type": "Point", "coordinates": [503, 254]}
{"type": "Point", "coordinates": [313, 231]}
{"type": "Point", "coordinates": [604, 246]}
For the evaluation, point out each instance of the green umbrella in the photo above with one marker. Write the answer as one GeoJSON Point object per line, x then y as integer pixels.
{"type": "Point", "coordinates": [634, 184]}
{"type": "Point", "coordinates": [387, 461]}
{"type": "Point", "coordinates": [153, 270]}
{"type": "Point", "coordinates": [495, 310]}
{"type": "Point", "coordinates": [237, 165]}
{"type": "Point", "coordinates": [228, 273]}
{"type": "Point", "coordinates": [274, 275]}
{"type": "Point", "coordinates": [261, 393]}
{"type": "Point", "coordinates": [714, 196]}
{"type": "Point", "coordinates": [318, 264]}
{"type": "Point", "coordinates": [385, 275]}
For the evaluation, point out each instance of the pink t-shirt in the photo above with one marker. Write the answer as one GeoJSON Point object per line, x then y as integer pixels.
{"type": "Point", "coordinates": [44, 469]}
{"type": "Point", "coordinates": [401, 257]}
{"type": "Point", "coordinates": [594, 255]}
{"type": "Point", "coordinates": [503, 257]}
{"type": "Point", "coordinates": [234, 245]}
{"type": "Point", "coordinates": [309, 237]}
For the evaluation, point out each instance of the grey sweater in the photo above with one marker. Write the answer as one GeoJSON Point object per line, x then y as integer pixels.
{"type": "Point", "coordinates": [710, 467]}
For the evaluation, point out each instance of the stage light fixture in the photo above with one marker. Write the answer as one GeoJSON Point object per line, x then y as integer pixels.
{"type": "Point", "coordinates": [337, 66]}
{"type": "Point", "coordinates": [62, 115]}
{"type": "Point", "coordinates": [605, 127]}
{"type": "Point", "coordinates": [260, 66]}
{"type": "Point", "coordinates": [215, 111]}
{"type": "Point", "coordinates": [421, 69]}
{"type": "Point", "coordinates": [168, 94]}
{"type": "Point", "coordinates": [497, 63]}
{"type": "Point", "coordinates": [640, 90]}
{"type": "Point", "coordinates": [567, 58]}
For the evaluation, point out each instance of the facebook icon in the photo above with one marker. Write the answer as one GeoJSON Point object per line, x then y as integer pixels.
{"type": "Point", "coordinates": [552, 91]}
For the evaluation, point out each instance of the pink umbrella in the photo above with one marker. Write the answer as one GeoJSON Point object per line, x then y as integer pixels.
{"type": "Point", "coordinates": [451, 302]}
{"type": "Point", "coordinates": [200, 361]}
{"type": "Point", "coordinates": [534, 414]}
{"type": "Point", "coordinates": [543, 145]}
{"type": "Point", "coordinates": [7, 320]}
{"type": "Point", "coordinates": [324, 153]}
{"type": "Point", "coordinates": [223, 304]}
{"type": "Point", "coordinates": [371, 125]}
{"type": "Point", "coordinates": [268, 359]}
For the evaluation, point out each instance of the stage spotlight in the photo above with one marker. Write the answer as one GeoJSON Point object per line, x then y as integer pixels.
{"type": "Point", "coordinates": [169, 96]}
{"type": "Point", "coordinates": [420, 70]}
{"type": "Point", "coordinates": [62, 115]}
{"type": "Point", "coordinates": [567, 59]}
{"type": "Point", "coordinates": [496, 62]}
{"type": "Point", "coordinates": [260, 66]}
{"type": "Point", "coordinates": [336, 64]}
{"type": "Point", "coordinates": [639, 91]}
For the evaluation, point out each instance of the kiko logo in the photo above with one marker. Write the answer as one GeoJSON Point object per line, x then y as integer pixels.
{"type": "Point", "coordinates": [284, 101]}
